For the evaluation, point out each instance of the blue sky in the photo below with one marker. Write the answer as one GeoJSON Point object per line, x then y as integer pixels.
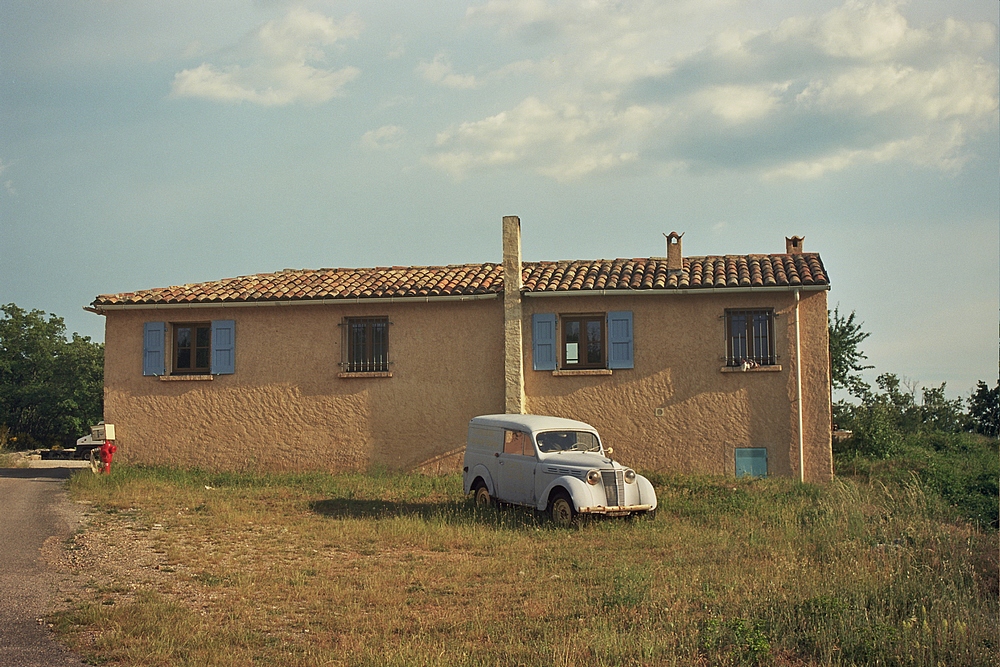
{"type": "Point", "coordinates": [151, 144]}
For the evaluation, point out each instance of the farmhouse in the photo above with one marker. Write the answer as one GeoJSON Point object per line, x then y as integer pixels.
{"type": "Point", "coordinates": [715, 364]}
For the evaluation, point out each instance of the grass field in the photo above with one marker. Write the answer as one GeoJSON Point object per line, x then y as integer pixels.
{"type": "Point", "coordinates": [386, 569]}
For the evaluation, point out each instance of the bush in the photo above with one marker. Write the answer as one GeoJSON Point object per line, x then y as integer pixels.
{"type": "Point", "coordinates": [875, 431]}
{"type": "Point", "coordinates": [959, 468]}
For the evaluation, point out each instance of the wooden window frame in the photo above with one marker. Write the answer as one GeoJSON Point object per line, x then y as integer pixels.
{"type": "Point", "coordinates": [192, 349]}
{"type": "Point", "coordinates": [757, 345]}
{"type": "Point", "coordinates": [583, 318]}
{"type": "Point", "coordinates": [372, 359]}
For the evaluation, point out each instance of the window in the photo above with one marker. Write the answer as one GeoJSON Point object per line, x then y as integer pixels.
{"type": "Point", "coordinates": [568, 441]}
{"type": "Point", "coordinates": [750, 338]}
{"type": "Point", "coordinates": [195, 348]}
{"type": "Point", "coordinates": [192, 348]}
{"type": "Point", "coordinates": [751, 462]}
{"type": "Point", "coordinates": [581, 341]}
{"type": "Point", "coordinates": [517, 442]}
{"type": "Point", "coordinates": [366, 344]}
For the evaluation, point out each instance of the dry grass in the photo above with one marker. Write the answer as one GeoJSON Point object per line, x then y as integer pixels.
{"type": "Point", "coordinates": [383, 569]}
{"type": "Point", "coordinates": [12, 459]}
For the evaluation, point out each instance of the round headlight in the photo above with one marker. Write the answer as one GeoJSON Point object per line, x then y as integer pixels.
{"type": "Point", "coordinates": [593, 477]}
{"type": "Point", "coordinates": [629, 476]}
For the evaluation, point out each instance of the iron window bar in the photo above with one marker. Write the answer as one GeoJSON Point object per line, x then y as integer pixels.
{"type": "Point", "coordinates": [750, 337]}
{"type": "Point", "coordinates": [365, 344]}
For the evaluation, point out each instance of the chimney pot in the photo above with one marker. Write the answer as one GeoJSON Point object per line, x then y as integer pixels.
{"type": "Point", "coordinates": [793, 245]}
{"type": "Point", "coordinates": [675, 260]}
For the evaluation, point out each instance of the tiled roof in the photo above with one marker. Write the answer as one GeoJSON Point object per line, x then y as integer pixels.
{"type": "Point", "coordinates": [473, 279]}
{"type": "Point", "coordinates": [698, 272]}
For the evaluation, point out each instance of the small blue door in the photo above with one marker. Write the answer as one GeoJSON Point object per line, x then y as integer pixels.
{"type": "Point", "coordinates": [751, 462]}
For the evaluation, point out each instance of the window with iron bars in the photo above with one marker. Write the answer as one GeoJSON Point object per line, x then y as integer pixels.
{"type": "Point", "coordinates": [750, 337]}
{"type": "Point", "coordinates": [366, 344]}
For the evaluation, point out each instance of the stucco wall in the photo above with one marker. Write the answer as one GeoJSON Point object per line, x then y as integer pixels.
{"type": "Point", "coordinates": [680, 348]}
{"type": "Point", "coordinates": [286, 409]}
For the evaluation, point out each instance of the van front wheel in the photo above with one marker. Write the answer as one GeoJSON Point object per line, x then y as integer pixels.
{"type": "Point", "coordinates": [482, 496]}
{"type": "Point", "coordinates": [561, 510]}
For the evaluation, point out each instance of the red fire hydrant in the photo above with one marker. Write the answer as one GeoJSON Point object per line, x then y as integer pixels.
{"type": "Point", "coordinates": [108, 450]}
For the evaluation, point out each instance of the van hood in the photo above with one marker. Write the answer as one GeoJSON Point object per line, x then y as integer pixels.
{"type": "Point", "coordinates": [586, 460]}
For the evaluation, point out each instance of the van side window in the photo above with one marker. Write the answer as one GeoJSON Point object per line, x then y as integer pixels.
{"type": "Point", "coordinates": [516, 442]}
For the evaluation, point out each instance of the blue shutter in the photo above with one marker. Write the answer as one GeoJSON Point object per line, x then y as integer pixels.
{"type": "Point", "coordinates": [620, 339]}
{"type": "Point", "coordinates": [751, 462]}
{"type": "Point", "coordinates": [223, 347]}
{"type": "Point", "coordinates": [154, 340]}
{"type": "Point", "coordinates": [543, 341]}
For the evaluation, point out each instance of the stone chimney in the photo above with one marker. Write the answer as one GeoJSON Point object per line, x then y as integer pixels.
{"type": "Point", "coordinates": [675, 261]}
{"type": "Point", "coordinates": [793, 246]}
{"type": "Point", "coordinates": [513, 362]}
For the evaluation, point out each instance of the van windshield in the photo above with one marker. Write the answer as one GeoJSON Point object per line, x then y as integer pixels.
{"type": "Point", "coordinates": [567, 441]}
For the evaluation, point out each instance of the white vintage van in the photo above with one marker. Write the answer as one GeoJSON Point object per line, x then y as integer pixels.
{"type": "Point", "coordinates": [552, 464]}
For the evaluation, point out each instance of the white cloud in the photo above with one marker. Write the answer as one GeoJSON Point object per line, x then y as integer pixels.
{"type": "Point", "coordinates": [439, 72]}
{"type": "Point", "coordinates": [560, 141]}
{"type": "Point", "coordinates": [280, 63]}
{"type": "Point", "coordinates": [961, 88]}
{"type": "Point", "coordinates": [385, 137]}
{"type": "Point", "coordinates": [805, 97]}
{"type": "Point", "coordinates": [940, 151]}
{"type": "Point", "coordinates": [603, 42]}
{"type": "Point", "coordinates": [397, 47]}
{"type": "Point", "coordinates": [738, 104]}
{"type": "Point", "coordinates": [863, 30]}
{"type": "Point", "coordinates": [8, 184]}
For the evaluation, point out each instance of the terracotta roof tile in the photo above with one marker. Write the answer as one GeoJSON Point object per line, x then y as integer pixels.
{"type": "Point", "coordinates": [727, 271]}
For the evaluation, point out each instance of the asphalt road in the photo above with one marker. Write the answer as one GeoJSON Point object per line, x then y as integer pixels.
{"type": "Point", "coordinates": [32, 503]}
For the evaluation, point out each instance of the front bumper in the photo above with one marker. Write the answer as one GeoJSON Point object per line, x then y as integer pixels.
{"type": "Point", "coordinates": [616, 510]}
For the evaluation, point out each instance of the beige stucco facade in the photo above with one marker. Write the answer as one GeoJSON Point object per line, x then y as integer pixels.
{"type": "Point", "coordinates": [680, 408]}
{"type": "Point", "coordinates": [287, 406]}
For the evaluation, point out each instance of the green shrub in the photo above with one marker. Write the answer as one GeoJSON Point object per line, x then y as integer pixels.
{"type": "Point", "coordinates": [960, 468]}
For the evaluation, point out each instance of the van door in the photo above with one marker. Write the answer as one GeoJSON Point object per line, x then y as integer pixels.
{"type": "Point", "coordinates": [516, 470]}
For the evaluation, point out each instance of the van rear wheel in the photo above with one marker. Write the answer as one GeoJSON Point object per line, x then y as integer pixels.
{"type": "Point", "coordinates": [561, 510]}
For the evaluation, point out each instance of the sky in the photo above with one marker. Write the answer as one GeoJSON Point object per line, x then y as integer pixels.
{"type": "Point", "coordinates": [151, 144]}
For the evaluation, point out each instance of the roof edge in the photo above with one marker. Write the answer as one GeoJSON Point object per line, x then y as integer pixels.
{"type": "Point", "coordinates": [101, 308]}
{"type": "Point", "coordinates": [680, 290]}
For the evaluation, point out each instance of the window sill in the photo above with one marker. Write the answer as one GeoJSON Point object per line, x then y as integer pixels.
{"type": "Point", "coordinates": [582, 371]}
{"type": "Point", "coordinates": [757, 369]}
{"type": "Point", "coordinates": [366, 374]}
{"type": "Point", "coordinates": [186, 378]}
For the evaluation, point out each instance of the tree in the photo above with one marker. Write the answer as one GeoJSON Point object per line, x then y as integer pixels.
{"type": "Point", "coordinates": [51, 388]}
{"type": "Point", "coordinates": [845, 356]}
{"type": "Point", "coordinates": [940, 414]}
{"type": "Point", "coordinates": [984, 409]}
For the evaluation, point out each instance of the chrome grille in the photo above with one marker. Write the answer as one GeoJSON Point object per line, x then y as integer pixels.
{"type": "Point", "coordinates": [614, 486]}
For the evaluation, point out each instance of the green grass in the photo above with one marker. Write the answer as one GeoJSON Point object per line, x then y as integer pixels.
{"type": "Point", "coordinates": [961, 468]}
{"type": "Point", "coordinates": [389, 569]}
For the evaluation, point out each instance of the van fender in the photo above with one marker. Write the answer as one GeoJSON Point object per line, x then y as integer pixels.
{"type": "Point", "coordinates": [579, 492]}
{"type": "Point", "coordinates": [479, 470]}
{"type": "Point", "coordinates": [647, 493]}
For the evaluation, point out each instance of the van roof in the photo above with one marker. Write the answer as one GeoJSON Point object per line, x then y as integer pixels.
{"type": "Point", "coordinates": [531, 423]}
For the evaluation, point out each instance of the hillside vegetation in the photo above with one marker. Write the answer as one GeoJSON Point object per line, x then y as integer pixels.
{"type": "Point", "coordinates": [190, 568]}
